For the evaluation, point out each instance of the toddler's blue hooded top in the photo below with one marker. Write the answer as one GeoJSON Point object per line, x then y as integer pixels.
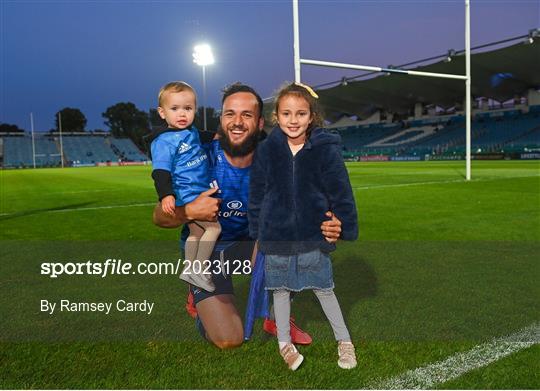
{"type": "Point", "coordinates": [289, 195]}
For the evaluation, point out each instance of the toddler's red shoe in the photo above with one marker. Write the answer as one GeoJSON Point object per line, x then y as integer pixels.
{"type": "Point", "coordinates": [298, 336]}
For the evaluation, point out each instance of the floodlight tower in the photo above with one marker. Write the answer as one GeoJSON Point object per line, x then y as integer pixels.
{"type": "Point", "coordinates": [202, 55]}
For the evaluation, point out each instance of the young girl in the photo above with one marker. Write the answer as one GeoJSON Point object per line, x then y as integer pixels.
{"type": "Point", "coordinates": [180, 172]}
{"type": "Point", "coordinates": [298, 175]}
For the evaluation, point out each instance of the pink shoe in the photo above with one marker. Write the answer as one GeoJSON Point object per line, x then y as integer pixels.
{"type": "Point", "coordinates": [346, 355]}
{"type": "Point", "coordinates": [291, 356]}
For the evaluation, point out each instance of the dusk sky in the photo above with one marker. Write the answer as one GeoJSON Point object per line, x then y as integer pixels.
{"type": "Point", "coordinates": [93, 54]}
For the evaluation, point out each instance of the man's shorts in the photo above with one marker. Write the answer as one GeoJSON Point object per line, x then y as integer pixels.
{"type": "Point", "coordinates": [225, 261]}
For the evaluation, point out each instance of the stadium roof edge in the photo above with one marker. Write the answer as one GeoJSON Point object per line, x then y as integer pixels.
{"type": "Point", "coordinates": [499, 74]}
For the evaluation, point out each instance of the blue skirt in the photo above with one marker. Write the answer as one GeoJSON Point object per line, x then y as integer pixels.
{"type": "Point", "coordinates": [311, 270]}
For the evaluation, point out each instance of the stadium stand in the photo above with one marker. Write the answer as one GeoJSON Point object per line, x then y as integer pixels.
{"type": "Point", "coordinates": [127, 150]}
{"type": "Point", "coordinates": [529, 139]}
{"type": "Point", "coordinates": [79, 149]}
{"type": "Point", "coordinates": [492, 131]}
{"type": "Point", "coordinates": [18, 152]}
{"type": "Point", "coordinates": [357, 137]}
{"type": "Point", "coordinates": [87, 150]}
{"type": "Point", "coordinates": [396, 114]}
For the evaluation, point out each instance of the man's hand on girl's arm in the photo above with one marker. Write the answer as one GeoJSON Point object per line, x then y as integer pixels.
{"type": "Point", "coordinates": [331, 229]}
{"type": "Point", "coordinates": [204, 208]}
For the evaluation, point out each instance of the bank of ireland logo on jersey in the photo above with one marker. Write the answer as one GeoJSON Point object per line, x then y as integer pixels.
{"type": "Point", "coordinates": [184, 147]}
{"type": "Point", "coordinates": [234, 205]}
{"type": "Point", "coordinates": [233, 210]}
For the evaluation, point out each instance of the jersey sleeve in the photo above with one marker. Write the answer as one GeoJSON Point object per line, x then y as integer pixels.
{"type": "Point", "coordinates": [162, 154]}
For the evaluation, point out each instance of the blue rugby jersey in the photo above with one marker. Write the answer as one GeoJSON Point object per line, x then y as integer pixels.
{"type": "Point", "coordinates": [233, 185]}
{"type": "Point", "coordinates": [180, 152]}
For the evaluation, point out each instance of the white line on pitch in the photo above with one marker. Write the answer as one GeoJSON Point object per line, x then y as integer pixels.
{"type": "Point", "coordinates": [406, 184]}
{"type": "Point", "coordinates": [55, 193]}
{"type": "Point", "coordinates": [355, 188]}
{"type": "Point", "coordinates": [84, 191]}
{"type": "Point", "coordinates": [439, 182]}
{"type": "Point", "coordinates": [101, 207]}
{"type": "Point", "coordinates": [463, 362]}
{"type": "Point", "coordinates": [83, 209]}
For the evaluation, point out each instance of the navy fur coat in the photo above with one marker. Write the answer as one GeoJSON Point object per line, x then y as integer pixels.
{"type": "Point", "coordinates": [289, 195]}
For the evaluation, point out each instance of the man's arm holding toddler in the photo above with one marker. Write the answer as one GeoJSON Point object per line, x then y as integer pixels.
{"type": "Point", "coordinates": [204, 207]}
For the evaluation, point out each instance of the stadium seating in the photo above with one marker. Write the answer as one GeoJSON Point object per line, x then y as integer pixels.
{"type": "Point", "coordinates": [78, 150]}
{"type": "Point", "coordinates": [128, 150]}
{"type": "Point", "coordinates": [18, 152]}
{"type": "Point", "coordinates": [530, 139]}
{"type": "Point", "coordinates": [357, 137]}
{"type": "Point", "coordinates": [87, 150]}
{"type": "Point", "coordinates": [490, 132]}
{"type": "Point", "coordinates": [495, 131]}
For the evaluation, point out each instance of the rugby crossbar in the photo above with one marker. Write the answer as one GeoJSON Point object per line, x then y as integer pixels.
{"type": "Point", "coordinates": [378, 69]}
{"type": "Point", "coordinates": [467, 77]}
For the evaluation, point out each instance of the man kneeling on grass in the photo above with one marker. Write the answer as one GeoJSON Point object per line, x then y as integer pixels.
{"type": "Point", "coordinates": [230, 155]}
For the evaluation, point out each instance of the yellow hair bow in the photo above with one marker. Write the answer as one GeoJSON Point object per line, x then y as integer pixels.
{"type": "Point", "coordinates": [308, 88]}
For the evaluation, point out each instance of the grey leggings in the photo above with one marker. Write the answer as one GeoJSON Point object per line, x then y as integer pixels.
{"type": "Point", "coordinates": [329, 304]}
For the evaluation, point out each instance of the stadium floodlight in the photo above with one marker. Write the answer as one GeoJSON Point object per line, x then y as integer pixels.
{"type": "Point", "coordinates": [202, 56]}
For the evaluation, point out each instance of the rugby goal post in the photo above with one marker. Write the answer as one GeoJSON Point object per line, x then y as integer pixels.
{"type": "Point", "coordinates": [467, 77]}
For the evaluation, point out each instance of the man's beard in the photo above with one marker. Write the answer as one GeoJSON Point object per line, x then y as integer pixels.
{"type": "Point", "coordinates": [243, 149]}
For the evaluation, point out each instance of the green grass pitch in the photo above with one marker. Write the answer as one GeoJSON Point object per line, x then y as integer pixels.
{"type": "Point", "coordinates": [441, 266]}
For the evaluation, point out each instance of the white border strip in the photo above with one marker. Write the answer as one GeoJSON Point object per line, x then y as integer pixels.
{"type": "Point", "coordinates": [454, 366]}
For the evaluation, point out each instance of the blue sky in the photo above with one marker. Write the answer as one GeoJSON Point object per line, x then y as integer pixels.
{"type": "Point", "coordinates": [93, 54]}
